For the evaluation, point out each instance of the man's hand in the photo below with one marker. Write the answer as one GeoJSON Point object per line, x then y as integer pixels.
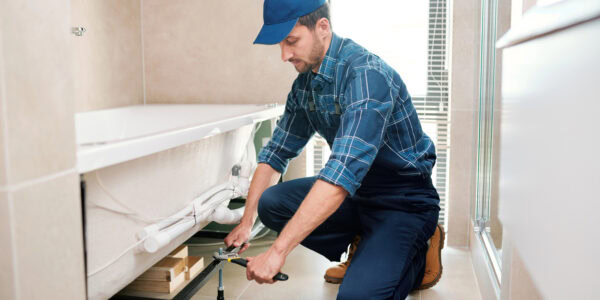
{"type": "Point", "coordinates": [264, 177]}
{"type": "Point", "coordinates": [239, 235]}
{"type": "Point", "coordinates": [264, 267]}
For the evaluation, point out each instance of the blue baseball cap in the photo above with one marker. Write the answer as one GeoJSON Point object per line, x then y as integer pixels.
{"type": "Point", "coordinates": [280, 17]}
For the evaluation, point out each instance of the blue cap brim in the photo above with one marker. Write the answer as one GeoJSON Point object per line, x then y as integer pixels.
{"type": "Point", "coordinates": [275, 33]}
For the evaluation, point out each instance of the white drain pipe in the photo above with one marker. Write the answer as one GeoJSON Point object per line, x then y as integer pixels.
{"type": "Point", "coordinates": [207, 207]}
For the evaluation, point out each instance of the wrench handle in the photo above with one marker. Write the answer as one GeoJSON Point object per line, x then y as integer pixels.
{"type": "Point", "coordinates": [244, 263]}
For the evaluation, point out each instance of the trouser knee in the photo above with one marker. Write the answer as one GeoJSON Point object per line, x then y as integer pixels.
{"type": "Point", "coordinates": [267, 208]}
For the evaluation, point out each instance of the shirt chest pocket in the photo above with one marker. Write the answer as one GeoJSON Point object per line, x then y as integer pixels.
{"type": "Point", "coordinates": [327, 110]}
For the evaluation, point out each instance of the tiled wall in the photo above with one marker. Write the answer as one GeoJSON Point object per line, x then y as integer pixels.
{"type": "Point", "coordinates": [182, 51]}
{"type": "Point", "coordinates": [463, 118]}
{"type": "Point", "coordinates": [41, 256]}
{"type": "Point", "coordinates": [108, 57]}
{"type": "Point", "coordinates": [207, 55]}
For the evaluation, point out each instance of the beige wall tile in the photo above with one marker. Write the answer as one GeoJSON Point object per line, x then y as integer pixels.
{"type": "Point", "coordinates": [39, 101]}
{"type": "Point", "coordinates": [7, 283]}
{"type": "Point", "coordinates": [463, 159]}
{"type": "Point", "coordinates": [465, 56]}
{"type": "Point", "coordinates": [49, 240]}
{"type": "Point", "coordinates": [3, 146]}
{"type": "Point", "coordinates": [463, 104]}
{"type": "Point", "coordinates": [108, 57]}
{"type": "Point", "coordinates": [202, 52]}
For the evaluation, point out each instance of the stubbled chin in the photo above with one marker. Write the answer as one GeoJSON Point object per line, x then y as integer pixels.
{"type": "Point", "coordinates": [301, 68]}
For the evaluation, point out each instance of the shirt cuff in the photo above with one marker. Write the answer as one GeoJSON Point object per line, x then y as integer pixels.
{"type": "Point", "coordinates": [336, 173]}
{"type": "Point", "coordinates": [269, 157]}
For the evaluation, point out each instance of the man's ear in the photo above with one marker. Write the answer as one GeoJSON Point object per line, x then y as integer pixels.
{"type": "Point", "coordinates": [323, 28]}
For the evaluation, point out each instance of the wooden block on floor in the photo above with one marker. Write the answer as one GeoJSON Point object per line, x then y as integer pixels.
{"type": "Point", "coordinates": [166, 269]}
{"type": "Point", "coordinates": [156, 286]}
{"type": "Point", "coordinates": [181, 252]}
{"type": "Point", "coordinates": [195, 265]}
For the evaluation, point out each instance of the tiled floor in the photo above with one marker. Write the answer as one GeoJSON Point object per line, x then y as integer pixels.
{"type": "Point", "coordinates": [306, 269]}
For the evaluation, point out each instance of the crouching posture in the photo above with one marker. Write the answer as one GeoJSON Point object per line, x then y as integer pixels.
{"type": "Point", "coordinates": [374, 192]}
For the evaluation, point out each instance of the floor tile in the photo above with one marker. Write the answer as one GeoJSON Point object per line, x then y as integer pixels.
{"type": "Point", "coordinates": [458, 278]}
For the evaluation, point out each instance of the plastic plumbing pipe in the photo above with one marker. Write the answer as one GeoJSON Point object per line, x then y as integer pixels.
{"type": "Point", "coordinates": [224, 215]}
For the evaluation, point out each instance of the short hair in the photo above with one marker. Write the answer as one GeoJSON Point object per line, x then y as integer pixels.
{"type": "Point", "coordinates": [311, 19]}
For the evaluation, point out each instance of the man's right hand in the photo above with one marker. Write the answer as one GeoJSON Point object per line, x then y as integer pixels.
{"type": "Point", "coordinates": [239, 235]}
{"type": "Point", "coordinates": [264, 177]}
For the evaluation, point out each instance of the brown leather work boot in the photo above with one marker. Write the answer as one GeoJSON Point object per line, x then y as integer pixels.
{"type": "Point", "coordinates": [433, 260]}
{"type": "Point", "coordinates": [336, 274]}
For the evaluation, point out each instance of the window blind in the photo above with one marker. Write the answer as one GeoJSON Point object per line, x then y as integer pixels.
{"type": "Point", "coordinates": [433, 107]}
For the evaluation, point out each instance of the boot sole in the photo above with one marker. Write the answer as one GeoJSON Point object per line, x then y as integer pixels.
{"type": "Point", "coordinates": [333, 280]}
{"type": "Point", "coordinates": [439, 275]}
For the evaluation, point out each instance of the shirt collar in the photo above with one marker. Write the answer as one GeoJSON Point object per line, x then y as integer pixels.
{"type": "Point", "coordinates": [327, 67]}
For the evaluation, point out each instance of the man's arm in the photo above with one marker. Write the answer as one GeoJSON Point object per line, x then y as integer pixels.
{"type": "Point", "coordinates": [289, 137]}
{"type": "Point", "coordinates": [320, 203]}
{"type": "Point", "coordinates": [264, 177]}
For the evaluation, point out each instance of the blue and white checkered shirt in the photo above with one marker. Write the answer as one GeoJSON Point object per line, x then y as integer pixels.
{"type": "Point", "coordinates": [361, 106]}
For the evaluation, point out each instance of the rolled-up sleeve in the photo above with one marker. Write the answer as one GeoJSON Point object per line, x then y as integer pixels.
{"type": "Point", "coordinates": [290, 136]}
{"type": "Point", "coordinates": [368, 102]}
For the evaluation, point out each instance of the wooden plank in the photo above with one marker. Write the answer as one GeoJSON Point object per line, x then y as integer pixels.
{"type": "Point", "coordinates": [165, 270]}
{"type": "Point", "coordinates": [156, 286]}
{"type": "Point", "coordinates": [195, 265]}
{"type": "Point", "coordinates": [181, 252]}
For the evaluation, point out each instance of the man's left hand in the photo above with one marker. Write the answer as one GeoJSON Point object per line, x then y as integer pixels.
{"type": "Point", "coordinates": [264, 267]}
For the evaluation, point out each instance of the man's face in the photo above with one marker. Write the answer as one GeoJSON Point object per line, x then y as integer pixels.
{"type": "Point", "coordinates": [303, 49]}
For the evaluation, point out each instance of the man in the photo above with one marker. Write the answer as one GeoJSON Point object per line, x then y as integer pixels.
{"type": "Point", "coordinates": [376, 184]}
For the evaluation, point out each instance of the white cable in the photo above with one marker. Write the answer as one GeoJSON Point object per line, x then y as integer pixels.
{"type": "Point", "coordinates": [132, 212]}
{"type": "Point", "coordinates": [133, 216]}
{"type": "Point", "coordinates": [90, 274]}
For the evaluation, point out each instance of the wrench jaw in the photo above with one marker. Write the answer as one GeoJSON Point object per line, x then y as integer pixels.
{"type": "Point", "coordinates": [225, 255]}
{"type": "Point", "coordinates": [231, 254]}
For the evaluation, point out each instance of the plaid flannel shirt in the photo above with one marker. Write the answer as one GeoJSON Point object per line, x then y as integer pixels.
{"type": "Point", "coordinates": [361, 106]}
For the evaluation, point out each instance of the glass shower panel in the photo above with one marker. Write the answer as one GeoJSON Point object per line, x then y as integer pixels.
{"type": "Point", "coordinates": [495, 22]}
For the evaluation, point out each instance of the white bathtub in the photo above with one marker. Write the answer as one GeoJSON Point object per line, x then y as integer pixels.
{"type": "Point", "coordinates": [155, 160]}
{"type": "Point", "coordinates": [108, 137]}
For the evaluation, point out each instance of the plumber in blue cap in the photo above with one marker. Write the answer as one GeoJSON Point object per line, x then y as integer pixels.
{"type": "Point", "coordinates": [375, 191]}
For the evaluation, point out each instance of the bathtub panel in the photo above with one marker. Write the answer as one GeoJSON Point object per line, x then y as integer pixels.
{"type": "Point", "coordinates": [154, 186]}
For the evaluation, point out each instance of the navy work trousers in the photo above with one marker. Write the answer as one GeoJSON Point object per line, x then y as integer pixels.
{"type": "Point", "coordinates": [390, 260]}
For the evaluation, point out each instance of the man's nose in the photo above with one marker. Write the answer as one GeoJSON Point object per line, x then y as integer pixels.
{"type": "Point", "coordinates": [286, 54]}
